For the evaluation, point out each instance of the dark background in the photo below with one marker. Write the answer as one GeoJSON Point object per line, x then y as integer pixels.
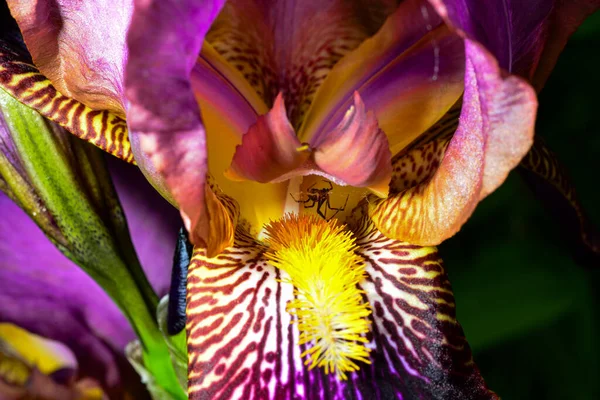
{"type": "Point", "coordinates": [529, 310]}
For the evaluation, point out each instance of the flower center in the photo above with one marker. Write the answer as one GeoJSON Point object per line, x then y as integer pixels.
{"type": "Point", "coordinates": [320, 260]}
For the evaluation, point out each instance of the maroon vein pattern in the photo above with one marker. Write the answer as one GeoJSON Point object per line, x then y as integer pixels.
{"type": "Point", "coordinates": [241, 344]}
{"type": "Point", "coordinates": [240, 341]}
{"type": "Point", "coordinates": [419, 160]}
{"type": "Point", "coordinates": [421, 351]}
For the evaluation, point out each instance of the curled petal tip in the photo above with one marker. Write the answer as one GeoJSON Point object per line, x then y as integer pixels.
{"type": "Point", "coordinates": [357, 151]}
{"type": "Point", "coordinates": [214, 229]}
{"type": "Point", "coordinates": [270, 148]}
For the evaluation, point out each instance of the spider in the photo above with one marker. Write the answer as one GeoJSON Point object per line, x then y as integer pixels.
{"type": "Point", "coordinates": [320, 198]}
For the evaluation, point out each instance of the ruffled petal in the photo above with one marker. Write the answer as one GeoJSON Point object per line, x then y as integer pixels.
{"type": "Point", "coordinates": [495, 132]}
{"type": "Point", "coordinates": [354, 153]}
{"type": "Point", "coordinates": [548, 179]}
{"type": "Point", "coordinates": [409, 73]}
{"type": "Point", "coordinates": [242, 343]}
{"type": "Point", "coordinates": [79, 46]}
{"type": "Point", "coordinates": [164, 117]}
{"type": "Point", "coordinates": [22, 80]}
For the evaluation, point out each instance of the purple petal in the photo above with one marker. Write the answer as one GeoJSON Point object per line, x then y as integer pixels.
{"type": "Point", "coordinates": [164, 119]}
{"type": "Point", "coordinates": [409, 74]}
{"type": "Point", "coordinates": [526, 37]}
{"type": "Point", "coordinates": [45, 293]}
{"type": "Point", "coordinates": [511, 30]}
{"type": "Point", "coordinates": [153, 223]}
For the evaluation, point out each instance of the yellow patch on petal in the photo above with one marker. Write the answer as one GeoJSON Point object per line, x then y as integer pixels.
{"type": "Point", "coordinates": [323, 266]}
{"type": "Point", "coordinates": [259, 202]}
{"type": "Point", "coordinates": [47, 355]}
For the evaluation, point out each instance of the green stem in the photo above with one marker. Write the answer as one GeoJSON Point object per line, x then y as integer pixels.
{"type": "Point", "coordinates": [157, 359]}
{"type": "Point", "coordinates": [64, 186]}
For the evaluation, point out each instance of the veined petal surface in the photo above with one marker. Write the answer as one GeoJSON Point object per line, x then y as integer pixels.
{"type": "Point", "coordinates": [242, 343]}
{"type": "Point", "coordinates": [421, 351]}
{"type": "Point", "coordinates": [79, 46]}
{"type": "Point", "coordinates": [494, 133]}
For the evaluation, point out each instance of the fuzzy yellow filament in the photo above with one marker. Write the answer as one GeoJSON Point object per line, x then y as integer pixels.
{"type": "Point", "coordinates": [320, 260]}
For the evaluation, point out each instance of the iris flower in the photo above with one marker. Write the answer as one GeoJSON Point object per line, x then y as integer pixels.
{"type": "Point", "coordinates": [317, 151]}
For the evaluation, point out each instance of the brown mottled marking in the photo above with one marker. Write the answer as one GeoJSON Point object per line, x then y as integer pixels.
{"type": "Point", "coordinates": [22, 80]}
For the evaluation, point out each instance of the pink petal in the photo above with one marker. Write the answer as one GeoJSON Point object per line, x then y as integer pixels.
{"type": "Point", "coordinates": [357, 152]}
{"type": "Point", "coordinates": [79, 45]}
{"type": "Point", "coordinates": [269, 150]}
